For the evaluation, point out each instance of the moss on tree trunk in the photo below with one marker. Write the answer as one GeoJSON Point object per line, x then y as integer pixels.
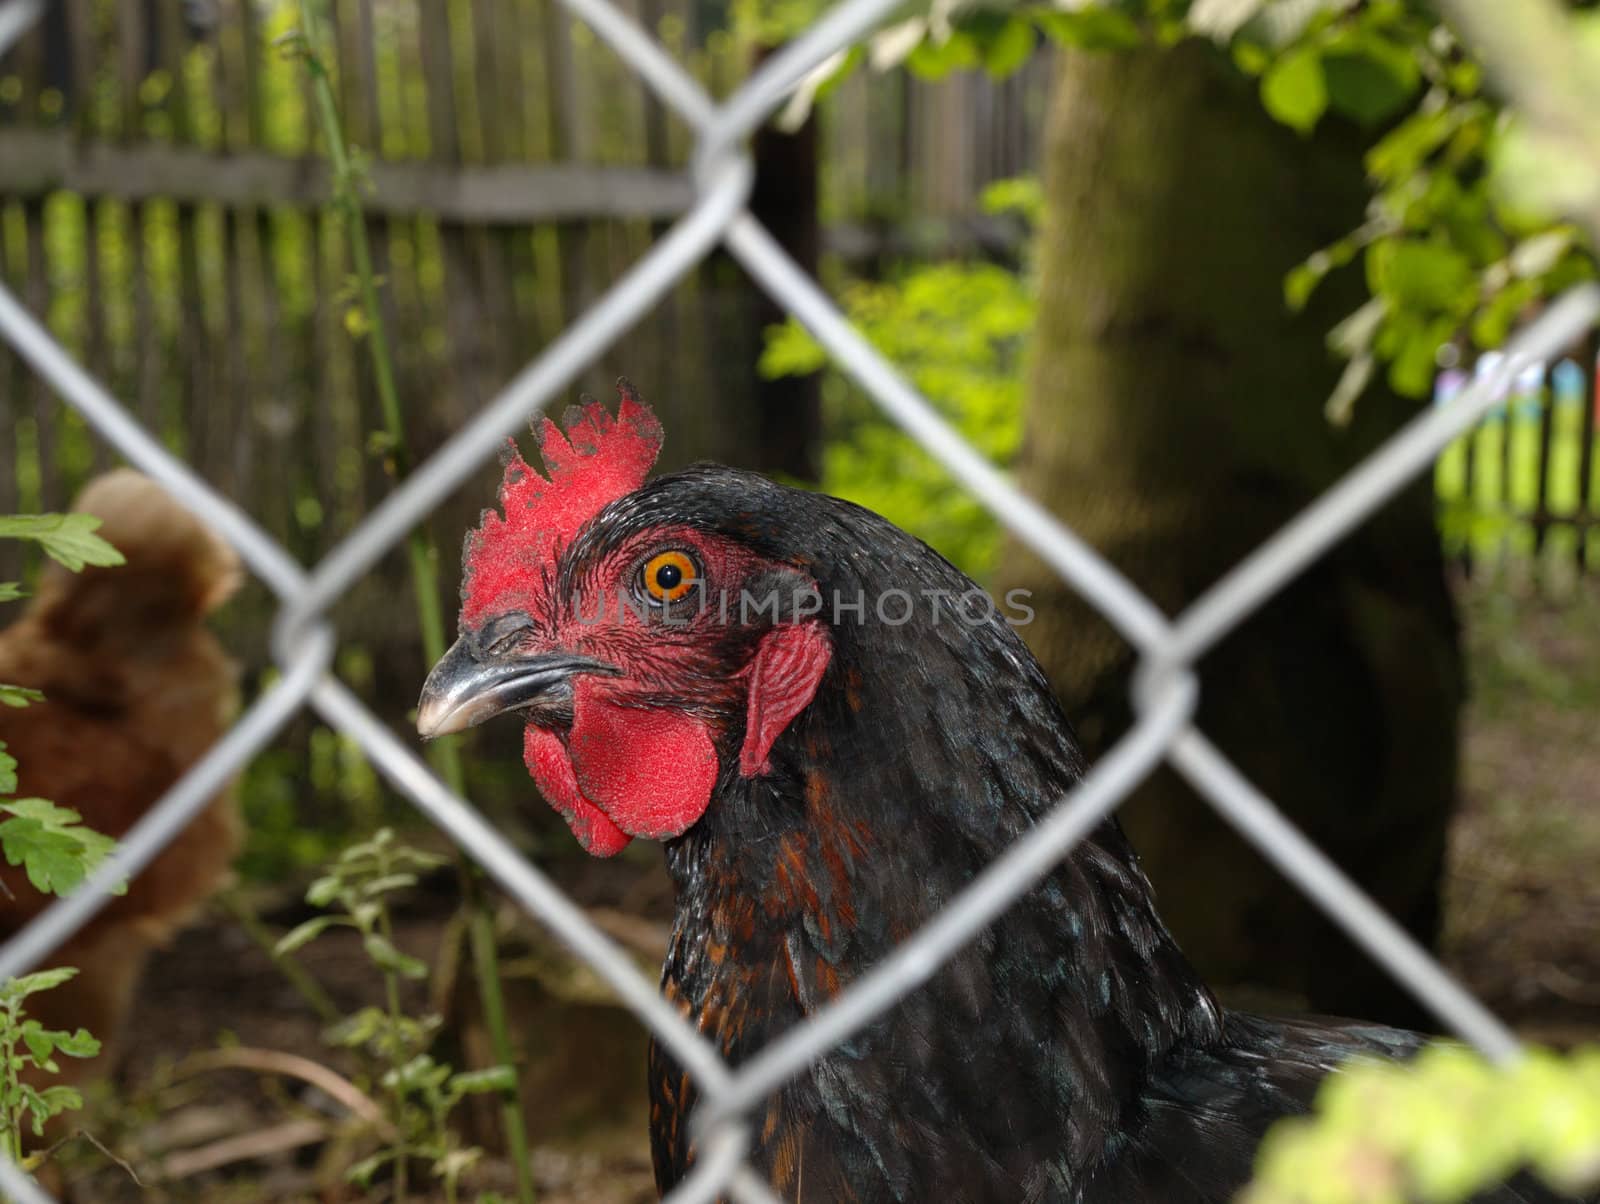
{"type": "Point", "coordinates": [1176, 420]}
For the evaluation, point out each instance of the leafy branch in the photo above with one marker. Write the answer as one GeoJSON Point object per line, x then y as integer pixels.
{"type": "Point", "coordinates": [69, 539]}
{"type": "Point", "coordinates": [56, 852]}
{"type": "Point", "coordinates": [26, 1043]}
{"type": "Point", "coordinates": [52, 845]}
{"type": "Point", "coordinates": [1436, 1130]}
{"type": "Point", "coordinates": [421, 1091]}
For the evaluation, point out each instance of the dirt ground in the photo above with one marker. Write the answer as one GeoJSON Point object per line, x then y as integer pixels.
{"type": "Point", "coordinates": [1523, 908]}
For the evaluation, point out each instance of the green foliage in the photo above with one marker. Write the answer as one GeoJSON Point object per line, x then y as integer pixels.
{"type": "Point", "coordinates": [56, 852]}
{"type": "Point", "coordinates": [26, 1044]}
{"type": "Point", "coordinates": [1295, 91]}
{"type": "Point", "coordinates": [1436, 1130]}
{"type": "Point", "coordinates": [69, 539]}
{"type": "Point", "coordinates": [421, 1092]}
{"type": "Point", "coordinates": [959, 331]}
{"type": "Point", "coordinates": [1460, 240]}
{"type": "Point", "coordinates": [1445, 256]}
{"type": "Point", "coordinates": [51, 844]}
{"type": "Point", "coordinates": [19, 696]}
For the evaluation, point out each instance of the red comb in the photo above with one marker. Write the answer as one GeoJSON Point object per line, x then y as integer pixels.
{"type": "Point", "coordinates": [595, 461]}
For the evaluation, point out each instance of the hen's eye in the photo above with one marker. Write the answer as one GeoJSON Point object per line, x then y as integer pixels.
{"type": "Point", "coordinates": [669, 576]}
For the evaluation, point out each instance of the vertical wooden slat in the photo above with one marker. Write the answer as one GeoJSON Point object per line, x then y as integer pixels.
{"type": "Point", "coordinates": [498, 133]}
{"type": "Point", "coordinates": [13, 387]}
{"type": "Point", "coordinates": [1469, 478]}
{"type": "Point", "coordinates": [365, 62]}
{"type": "Point", "coordinates": [132, 54]}
{"type": "Point", "coordinates": [1541, 523]}
{"type": "Point", "coordinates": [36, 292]}
{"type": "Point", "coordinates": [79, 18]}
{"type": "Point", "coordinates": [27, 63]}
{"type": "Point", "coordinates": [96, 297]}
{"type": "Point", "coordinates": [567, 145]}
{"type": "Point", "coordinates": [464, 316]}
{"type": "Point", "coordinates": [1588, 496]}
{"type": "Point", "coordinates": [788, 410]}
{"type": "Point", "coordinates": [147, 354]}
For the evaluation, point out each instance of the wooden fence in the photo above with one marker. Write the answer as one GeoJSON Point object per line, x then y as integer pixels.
{"type": "Point", "coordinates": [162, 194]}
{"type": "Point", "coordinates": [1523, 487]}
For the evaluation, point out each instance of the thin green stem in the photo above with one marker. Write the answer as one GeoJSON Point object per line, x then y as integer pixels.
{"type": "Point", "coordinates": [397, 1061]}
{"type": "Point", "coordinates": [12, 1076]}
{"type": "Point", "coordinates": [443, 754]}
{"type": "Point", "coordinates": [299, 977]}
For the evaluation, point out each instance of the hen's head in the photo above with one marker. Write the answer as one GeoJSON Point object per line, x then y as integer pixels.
{"type": "Point", "coordinates": [650, 635]}
{"type": "Point", "coordinates": [176, 569]}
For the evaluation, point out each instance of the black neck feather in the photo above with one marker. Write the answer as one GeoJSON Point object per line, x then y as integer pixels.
{"type": "Point", "coordinates": [931, 747]}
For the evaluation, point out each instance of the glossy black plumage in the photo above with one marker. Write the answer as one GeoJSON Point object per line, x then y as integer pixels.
{"type": "Point", "coordinates": [1070, 1053]}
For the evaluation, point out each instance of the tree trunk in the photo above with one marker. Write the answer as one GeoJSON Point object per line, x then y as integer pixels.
{"type": "Point", "coordinates": [1175, 421]}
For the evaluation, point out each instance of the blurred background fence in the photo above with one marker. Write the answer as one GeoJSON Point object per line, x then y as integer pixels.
{"type": "Point", "coordinates": [1526, 482]}
{"type": "Point", "coordinates": [164, 204]}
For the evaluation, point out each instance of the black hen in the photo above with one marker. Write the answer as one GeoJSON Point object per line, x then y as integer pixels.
{"type": "Point", "coordinates": [826, 779]}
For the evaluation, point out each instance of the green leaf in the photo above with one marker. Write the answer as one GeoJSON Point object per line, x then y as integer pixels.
{"type": "Point", "coordinates": [382, 951]}
{"type": "Point", "coordinates": [790, 351]}
{"type": "Point", "coordinates": [19, 696]}
{"type": "Point", "coordinates": [1428, 276]}
{"type": "Point", "coordinates": [357, 1029]}
{"type": "Point", "coordinates": [31, 984]}
{"type": "Point", "coordinates": [1009, 48]}
{"type": "Point", "coordinates": [8, 771]}
{"type": "Point", "coordinates": [1369, 79]}
{"type": "Point", "coordinates": [79, 1044]}
{"type": "Point", "coordinates": [934, 60]}
{"type": "Point", "coordinates": [1403, 150]}
{"type": "Point", "coordinates": [323, 891]}
{"type": "Point", "coordinates": [385, 883]}
{"type": "Point", "coordinates": [10, 591]}
{"type": "Point", "coordinates": [51, 844]}
{"type": "Point", "coordinates": [420, 1072]}
{"type": "Point", "coordinates": [69, 539]}
{"type": "Point", "coordinates": [1091, 28]}
{"type": "Point", "coordinates": [477, 1082]}
{"type": "Point", "coordinates": [40, 1042]}
{"type": "Point", "coordinates": [1022, 195]}
{"type": "Point", "coordinates": [1299, 284]}
{"type": "Point", "coordinates": [303, 934]}
{"type": "Point", "coordinates": [362, 1172]}
{"type": "Point", "coordinates": [53, 1100]}
{"type": "Point", "coordinates": [1294, 90]}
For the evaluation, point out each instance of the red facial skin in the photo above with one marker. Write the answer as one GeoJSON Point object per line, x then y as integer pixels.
{"type": "Point", "coordinates": [641, 757]}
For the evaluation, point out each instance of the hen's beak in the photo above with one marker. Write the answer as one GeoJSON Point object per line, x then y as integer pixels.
{"type": "Point", "coordinates": [464, 690]}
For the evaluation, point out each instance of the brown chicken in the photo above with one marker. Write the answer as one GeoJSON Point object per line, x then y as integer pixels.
{"type": "Point", "coordinates": [136, 689]}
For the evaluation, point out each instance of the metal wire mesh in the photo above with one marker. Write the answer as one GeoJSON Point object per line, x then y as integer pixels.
{"type": "Point", "coordinates": [1166, 686]}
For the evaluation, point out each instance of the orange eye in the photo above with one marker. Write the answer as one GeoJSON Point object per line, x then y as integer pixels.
{"type": "Point", "coordinates": [668, 576]}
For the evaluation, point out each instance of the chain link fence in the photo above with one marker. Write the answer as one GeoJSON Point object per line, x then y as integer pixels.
{"type": "Point", "coordinates": [1166, 687]}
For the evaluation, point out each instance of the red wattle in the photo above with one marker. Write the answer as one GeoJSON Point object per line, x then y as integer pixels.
{"type": "Point", "coordinates": [551, 768]}
{"type": "Point", "coordinates": [651, 770]}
